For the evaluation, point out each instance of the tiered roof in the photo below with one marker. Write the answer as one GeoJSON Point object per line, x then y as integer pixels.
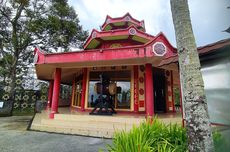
{"type": "Point", "coordinates": [118, 29]}
{"type": "Point", "coordinates": [121, 41]}
{"type": "Point", "coordinates": [122, 23]}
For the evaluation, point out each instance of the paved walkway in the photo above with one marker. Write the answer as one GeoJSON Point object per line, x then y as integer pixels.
{"type": "Point", "coordinates": [15, 138]}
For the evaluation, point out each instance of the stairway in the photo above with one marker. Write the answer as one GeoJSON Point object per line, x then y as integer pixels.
{"type": "Point", "coordinates": [87, 125]}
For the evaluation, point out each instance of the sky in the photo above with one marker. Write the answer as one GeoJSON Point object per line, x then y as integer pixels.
{"type": "Point", "coordinates": [209, 17]}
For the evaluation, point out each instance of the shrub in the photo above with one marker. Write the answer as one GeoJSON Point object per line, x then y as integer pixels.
{"type": "Point", "coordinates": [221, 143]}
{"type": "Point", "coordinates": [150, 137]}
{"type": "Point", "coordinates": [158, 137]}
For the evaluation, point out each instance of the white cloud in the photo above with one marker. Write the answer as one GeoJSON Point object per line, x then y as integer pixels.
{"type": "Point", "coordinates": [96, 11]}
{"type": "Point", "coordinates": [209, 17]}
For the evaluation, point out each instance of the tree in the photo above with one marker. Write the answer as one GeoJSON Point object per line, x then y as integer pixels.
{"type": "Point", "coordinates": [59, 29]}
{"type": "Point", "coordinates": [50, 24]}
{"type": "Point", "coordinates": [194, 99]}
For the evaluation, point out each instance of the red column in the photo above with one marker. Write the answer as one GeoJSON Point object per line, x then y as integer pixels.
{"type": "Point", "coordinates": [135, 69]}
{"type": "Point", "coordinates": [173, 101]}
{"type": "Point", "coordinates": [50, 94]}
{"type": "Point", "coordinates": [56, 91]}
{"type": "Point", "coordinates": [149, 99]}
{"type": "Point", "coordinates": [84, 81]}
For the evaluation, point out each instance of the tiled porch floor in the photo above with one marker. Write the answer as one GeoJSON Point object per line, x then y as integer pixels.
{"type": "Point", "coordinates": [81, 123]}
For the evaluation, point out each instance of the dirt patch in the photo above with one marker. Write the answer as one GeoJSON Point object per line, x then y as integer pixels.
{"type": "Point", "coordinates": [15, 123]}
{"type": "Point", "coordinates": [16, 126]}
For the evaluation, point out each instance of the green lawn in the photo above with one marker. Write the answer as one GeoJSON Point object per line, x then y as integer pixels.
{"type": "Point", "coordinates": [23, 112]}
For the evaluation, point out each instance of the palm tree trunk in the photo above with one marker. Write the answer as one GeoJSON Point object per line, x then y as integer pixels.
{"type": "Point", "coordinates": [194, 99]}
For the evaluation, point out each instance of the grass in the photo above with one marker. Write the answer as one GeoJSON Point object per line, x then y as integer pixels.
{"type": "Point", "coordinates": [23, 112]}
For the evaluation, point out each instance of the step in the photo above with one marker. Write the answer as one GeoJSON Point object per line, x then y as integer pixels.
{"type": "Point", "coordinates": [91, 118]}
{"type": "Point", "coordinates": [107, 133]}
{"type": "Point", "coordinates": [101, 125]}
{"type": "Point", "coordinates": [89, 125]}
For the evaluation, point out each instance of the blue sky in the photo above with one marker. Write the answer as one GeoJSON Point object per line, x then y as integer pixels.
{"type": "Point", "coordinates": [209, 17]}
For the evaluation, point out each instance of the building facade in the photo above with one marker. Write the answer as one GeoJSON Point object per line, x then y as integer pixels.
{"type": "Point", "coordinates": [127, 56]}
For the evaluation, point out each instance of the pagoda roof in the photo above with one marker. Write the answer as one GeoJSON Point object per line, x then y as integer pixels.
{"type": "Point", "coordinates": [70, 62]}
{"type": "Point", "coordinates": [132, 33]}
{"type": "Point", "coordinates": [127, 20]}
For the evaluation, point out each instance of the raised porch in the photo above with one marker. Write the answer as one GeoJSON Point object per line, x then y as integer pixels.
{"type": "Point", "coordinates": [69, 121]}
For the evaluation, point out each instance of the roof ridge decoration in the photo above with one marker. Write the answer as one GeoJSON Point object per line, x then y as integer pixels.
{"type": "Point", "coordinates": [131, 30]}
{"type": "Point", "coordinates": [126, 18]}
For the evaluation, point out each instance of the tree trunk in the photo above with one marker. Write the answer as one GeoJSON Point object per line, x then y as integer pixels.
{"type": "Point", "coordinates": [194, 99]}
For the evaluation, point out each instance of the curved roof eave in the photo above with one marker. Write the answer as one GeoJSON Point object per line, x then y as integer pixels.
{"type": "Point", "coordinates": [96, 34]}
{"type": "Point", "coordinates": [109, 20]}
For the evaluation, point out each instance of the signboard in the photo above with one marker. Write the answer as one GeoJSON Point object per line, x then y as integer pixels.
{"type": "Point", "coordinates": [1, 104]}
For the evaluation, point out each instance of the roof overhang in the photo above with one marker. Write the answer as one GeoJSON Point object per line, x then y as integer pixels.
{"type": "Point", "coordinates": [131, 33]}
{"type": "Point", "coordinates": [203, 51]}
{"type": "Point", "coordinates": [73, 62]}
{"type": "Point", "coordinates": [121, 21]}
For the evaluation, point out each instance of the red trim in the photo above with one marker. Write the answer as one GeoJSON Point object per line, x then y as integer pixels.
{"type": "Point", "coordinates": [167, 94]}
{"type": "Point", "coordinates": [56, 91]}
{"type": "Point", "coordinates": [127, 52]}
{"type": "Point", "coordinates": [149, 90]}
{"type": "Point", "coordinates": [41, 55]}
{"type": "Point", "coordinates": [121, 19]}
{"type": "Point", "coordinates": [135, 69]}
{"type": "Point", "coordinates": [172, 92]}
{"type": "Point", "coordinates": [118, 32]}
{"type": "Point", "coordinates": [50, 94]}
{"type": "Point", "coordinates": [95, 55]}
{"type": "Point", "coordinates": [84, 81]}
{"type": "Point", "coordinates": [160, 37]}
{"type": "Point", "coordinates": [141, 103]}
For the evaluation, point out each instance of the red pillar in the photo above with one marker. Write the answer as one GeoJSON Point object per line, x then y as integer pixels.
{"type": "Point", "coordinates": [149, 99]}
{"type": "Point", "coordinates": [173, 101]}
{"type": "Point", "coordinates": [50, 94]}
{"type": "Point", "coordinates": [135, 88]}
{"type": "Point", "coordinates": [56, 91]}
{"type": "Point", "coordinates": [84, 81]}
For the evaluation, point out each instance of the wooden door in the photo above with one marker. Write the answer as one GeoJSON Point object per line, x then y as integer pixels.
{"type": "Point", "coordinates": [159, 90]}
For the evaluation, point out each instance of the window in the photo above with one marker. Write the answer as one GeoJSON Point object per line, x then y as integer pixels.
{"type": "Point", "coordinates": [77, 91]}
{"type": "Point", "coordinates": [122, 98]}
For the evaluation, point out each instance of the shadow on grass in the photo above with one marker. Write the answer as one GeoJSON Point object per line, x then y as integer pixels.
{"type": "Point", "coordinates": [23, 112]}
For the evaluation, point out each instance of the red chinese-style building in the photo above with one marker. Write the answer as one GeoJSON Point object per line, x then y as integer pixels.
{"type": "Point", "coordinates": [144, 68]}
{"type": "Point", "coordinates": [125, 53]}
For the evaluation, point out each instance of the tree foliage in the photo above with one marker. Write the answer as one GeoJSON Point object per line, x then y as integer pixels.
{"type": "Point", "coordinates": [58, 28]}
{"type": "Point", "coordinates": [52, 25]}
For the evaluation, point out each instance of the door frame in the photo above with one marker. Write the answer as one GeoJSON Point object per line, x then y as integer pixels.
{"type": "Point", "coordinates": [158, 72]}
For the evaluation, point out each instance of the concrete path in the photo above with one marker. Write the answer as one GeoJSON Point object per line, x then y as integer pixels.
{"type": "Point", "coordinates": [15, 138]}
